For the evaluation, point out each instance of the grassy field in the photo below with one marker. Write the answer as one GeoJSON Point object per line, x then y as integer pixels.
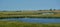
{"type": "Point", "coordinates": [25, 24]}
{"type": "Point", "coordinates": [29, 14]}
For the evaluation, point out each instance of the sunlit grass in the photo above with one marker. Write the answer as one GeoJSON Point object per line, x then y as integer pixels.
{"type": "Point", "coordinates": [25, 24]}
{"type": "Point", "coordinates": [27, 14]}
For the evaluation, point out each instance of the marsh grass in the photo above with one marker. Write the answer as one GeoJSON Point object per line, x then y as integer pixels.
{"type": "Point", "coordinates": [25, 24]}
{"type": "Point", "coordinates": [27, 15]}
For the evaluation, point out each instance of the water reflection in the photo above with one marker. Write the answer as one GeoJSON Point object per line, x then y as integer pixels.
{"type": "Point", "coordinates": [39, 20]}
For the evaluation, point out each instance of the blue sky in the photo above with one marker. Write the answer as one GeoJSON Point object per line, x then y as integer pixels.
{"type": "Point", "coordinates": [29, 4]}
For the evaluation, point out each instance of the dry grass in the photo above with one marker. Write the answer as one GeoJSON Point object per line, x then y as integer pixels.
{"type": "Point", "coordinates": [25, 24]}
{"type": "Point", "coordinates": [26, 14]}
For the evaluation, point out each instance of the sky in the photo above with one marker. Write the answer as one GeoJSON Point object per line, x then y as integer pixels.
{"type": "Point", "coordinates": [29, 4]}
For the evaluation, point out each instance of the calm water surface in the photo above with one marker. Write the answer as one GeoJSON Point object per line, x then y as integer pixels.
{"type": "Point", "coordinates": [39, 20]}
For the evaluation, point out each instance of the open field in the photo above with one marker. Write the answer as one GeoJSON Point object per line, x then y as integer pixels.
{"type": "Point", "coordinates": [25, 24]}
{"type": "Point", "coordinates": [30, 14]}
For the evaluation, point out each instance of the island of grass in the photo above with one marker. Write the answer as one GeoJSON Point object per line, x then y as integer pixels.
{"type": "Point", "coordinates": [30, 14]}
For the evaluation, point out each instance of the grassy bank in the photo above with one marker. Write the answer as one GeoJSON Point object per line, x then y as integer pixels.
{"type": "Point", "coordinates": [27, 15]}
{"type": "Point", "coordinates": [25, 24]}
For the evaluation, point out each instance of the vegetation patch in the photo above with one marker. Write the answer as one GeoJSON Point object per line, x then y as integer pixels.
{"type": "Point", "coordinates": [25, 24]}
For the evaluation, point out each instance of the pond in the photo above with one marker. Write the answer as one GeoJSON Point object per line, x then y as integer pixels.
{"type": "Point", "coordinates": [37, 20]}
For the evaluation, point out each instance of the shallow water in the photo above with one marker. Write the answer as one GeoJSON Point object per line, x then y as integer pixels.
{"type": "Point", "coordinates": [38, 20]}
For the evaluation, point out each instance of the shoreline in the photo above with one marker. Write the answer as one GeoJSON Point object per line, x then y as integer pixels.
{"type": "Point", "coordinates": [31, 17]}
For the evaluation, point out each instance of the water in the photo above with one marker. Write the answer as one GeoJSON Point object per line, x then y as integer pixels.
{"type": "Point", "coordinates": [38, 20]}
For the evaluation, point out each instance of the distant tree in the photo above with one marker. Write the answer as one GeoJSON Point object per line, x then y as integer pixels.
{"type": "Point", "coordinates": [54, 9]}
{"type": "Point", "coordinates": [51, 9]}
{"type": "Point", "coordinates": [39, 10]}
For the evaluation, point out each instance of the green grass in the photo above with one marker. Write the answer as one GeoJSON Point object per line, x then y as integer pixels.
{"type": "Point", "coordinates": [27, 15]}
{"type": "Point", "coordinates": [25, 24]}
